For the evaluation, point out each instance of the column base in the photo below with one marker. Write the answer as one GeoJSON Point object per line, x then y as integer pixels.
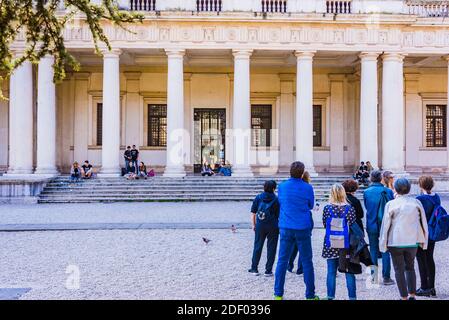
{"type": "Point", "coordinates": [20, 172]}
{"type": "Point", "coordinates": [174, 172]}
{"type": "Point", "coordinates": [242, 171]}
{"type": "Point", "coordinates": [47, 172]}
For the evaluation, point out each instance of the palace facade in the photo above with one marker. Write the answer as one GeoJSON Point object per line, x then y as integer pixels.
{"type": "Point", "coordinates": [256, 83]}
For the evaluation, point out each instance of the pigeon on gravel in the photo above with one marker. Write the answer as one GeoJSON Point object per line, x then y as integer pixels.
{"type": "Point", "coordinates": [233, 229]}
{"type": "Point", "coordinates": [206, 241]}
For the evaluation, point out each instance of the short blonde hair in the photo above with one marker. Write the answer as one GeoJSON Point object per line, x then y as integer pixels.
{"type": "Point", "coordinates": [338, 194]}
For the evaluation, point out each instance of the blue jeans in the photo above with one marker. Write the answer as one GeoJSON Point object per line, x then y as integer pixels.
{"type": "Point", "coordinates": [127, 165]}
{"type": "Point", "coordinates": [303, 239]}
{"type": "Point", "coordinates": [291, 263]}
{"type": "Point", "coordinates": [374, 250]}
{"type": "Point", "coordinates": [332, 266]}
{"type": "Point", "coordinates": [136, 165]}
{"type": "Point", "coordinates": [271, 233]}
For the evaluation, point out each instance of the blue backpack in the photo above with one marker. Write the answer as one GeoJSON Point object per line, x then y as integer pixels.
{"type": "Point", "coordinates": [265, 211]}
{"type": "Point", "coordinates": [438, 223]}
{"type": "Point", "coordinates": [337, 230]}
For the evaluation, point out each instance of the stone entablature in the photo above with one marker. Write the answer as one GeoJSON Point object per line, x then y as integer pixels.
{"type": "Point", "coordinates": [401, 34]}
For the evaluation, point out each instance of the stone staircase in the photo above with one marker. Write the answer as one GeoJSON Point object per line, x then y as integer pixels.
{"type": "Point", "coordinates": [190, 188]}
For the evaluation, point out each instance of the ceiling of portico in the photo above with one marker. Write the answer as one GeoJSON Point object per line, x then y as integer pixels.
{"type": "Point", "coordinates": [259, 59]}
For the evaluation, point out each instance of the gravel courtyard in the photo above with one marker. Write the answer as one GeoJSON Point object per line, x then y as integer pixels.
{"type": "Point", "coordinates": [160, 264]}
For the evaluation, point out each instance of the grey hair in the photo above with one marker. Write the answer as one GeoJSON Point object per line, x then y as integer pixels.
{"type": "Point", "coordinates": [376, 176]}
{"type": "Point", "coordinates": [402, 186]}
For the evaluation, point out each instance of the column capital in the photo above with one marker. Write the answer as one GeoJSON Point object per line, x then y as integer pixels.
{"type": "Point", "coordinates": [412, 76]}
{"type": "Point", "coordinates": [369, 56]}
{"type": "Point", "coordinates": [305, 55]}
{"type": "Point", "coordinates": [113, 53]}
{"type": "Point", "coordinates": [446, 58]}
{"type": "Point", "coordinates": [394, 56]}
{"type": "Point", "coordinates": [175, 53]}
{"type": "Point", "coordinates": [188, 76]}
{"type": "Point", "coordinates": [242, 54]}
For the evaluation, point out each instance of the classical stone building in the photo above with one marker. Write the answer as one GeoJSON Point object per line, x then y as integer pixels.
{"type": "Point", "coordinates": [259, 83]}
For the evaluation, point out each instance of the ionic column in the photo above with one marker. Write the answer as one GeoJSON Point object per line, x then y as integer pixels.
{"type": "Point", "coordinates": [46, 118]}
{"type": "Point", "coordinates": [393, 122]}
{"type": "Point", "coordinates": [110, 152]}
{"type": "Point", "coordinates": [368, 108]}
{"type": "Point", "coordinates": [21, 120]}
{"type": "Point", "coordinates": [242, 114]}
{"type": "Point", "coordinates": [304, 110]}
{"type": "Point", "coordinates": [175, 114]}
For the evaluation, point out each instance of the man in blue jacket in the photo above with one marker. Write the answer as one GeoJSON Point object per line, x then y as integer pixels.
{"type": "Point", "coordinates": [375, 198]}
{"type": "Point", "coordinates": [296, 199]}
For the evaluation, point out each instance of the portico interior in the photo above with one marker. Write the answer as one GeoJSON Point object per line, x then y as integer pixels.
{"type": "Point", "coordinates": [209, 83]}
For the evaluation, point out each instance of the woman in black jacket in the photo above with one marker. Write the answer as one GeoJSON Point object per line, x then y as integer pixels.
{"type": "Point", "coordinates": [351, 187]}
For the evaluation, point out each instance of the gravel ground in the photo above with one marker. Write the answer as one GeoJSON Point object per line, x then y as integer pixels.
{"type": "Point", "coordinates": [160, 264]}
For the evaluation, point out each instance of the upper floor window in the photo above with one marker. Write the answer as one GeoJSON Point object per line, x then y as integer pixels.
{"type": "Point", "coordinates": [338, 6]}
{"type": "Point", "coordinates": [261, 125]}
{"type": "Point", "coordinates": [436, 126]}
{"type": "Point", "coordinates": [209, 5]}
{"type": "Point", "coordinates": [274, 6]}
{"type": "Point", "coordinates": [143, 5]}
{"type": "Point", "coordinates": [157, 125]}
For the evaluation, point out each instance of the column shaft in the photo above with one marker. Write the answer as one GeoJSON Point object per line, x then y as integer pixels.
{"type": "Point", "coordinates": [368, 109]}
{"type": "Point", "coordinates": [242, 114]}
{"type": "Point", "coordinates": [110, 155]}
{"type": "Point", "coordinates": [304, 110]}
{"type": "Point", "coordinates": [46, 118]}
{"type": "Point", "coordinates": [393, 122]}
{"type": "Point", "coordinates": [21, 120]}
{"type": "Point", "coordinates": [175, 114]}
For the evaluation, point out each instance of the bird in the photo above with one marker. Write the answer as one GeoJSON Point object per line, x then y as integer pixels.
{"type": "Point", "coordinates": [206, 241]}
{"type": "Point", "coordinates": [233, 229]}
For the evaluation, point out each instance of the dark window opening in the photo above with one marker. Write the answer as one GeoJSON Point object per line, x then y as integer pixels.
{"type": "Point", "coordinates": [436, 126]}
{"type": "Point", "coordinates": [261, 125]}
{"type": "Point", "coordinates": [157, 125]}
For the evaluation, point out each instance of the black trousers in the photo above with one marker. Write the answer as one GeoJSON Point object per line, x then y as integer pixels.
{"type": "Point", "coordinates": [404, 268]}
{"type": "Point", "coordinates": [426, 265]}
{"type": "Point", "coordinates": [271, 233]}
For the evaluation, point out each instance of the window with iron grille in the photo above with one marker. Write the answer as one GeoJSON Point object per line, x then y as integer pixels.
{"type": "Point", "coordinates": [99, 132]}
{"type": "Point", "coordinates": [317, 126]}
{"type": "Point", "coordinates": [436, 129]}
{"type": "Point", "coordinates": [157, 125]}
{"type": "Point", "coordinates": [261, 125]}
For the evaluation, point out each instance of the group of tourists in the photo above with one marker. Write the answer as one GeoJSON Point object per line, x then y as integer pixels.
{"type": "Point", "coordinates": [134, 168]}
{"type": "Point", "coordinates": [220, 169]}
{"type": "Point", "coordinates": [399, 228]}
{"type": "Point", "coordinates": [363, 172]}
{"type": "Point", "coordinates": [78, 172]}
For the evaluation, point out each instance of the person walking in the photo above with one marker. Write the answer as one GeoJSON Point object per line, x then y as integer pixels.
{"type": "Point", "coordinates": [338, 216]}
{"type": "Point", "coordinates": [265, 219]}
{"type": "Point", "coordinates": [375, 198]}
{"type": "Point", "coordinates": [296, 199]}
{"type": "Point", "coordinates": [426, 262]}
{"type": "Point", "coordinates": [404, 229]}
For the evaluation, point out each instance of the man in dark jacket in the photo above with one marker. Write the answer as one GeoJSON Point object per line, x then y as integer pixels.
{"type": "Point", "coordinates": [374, 199]}
{"type": "Point", "coordinates": [264, 218]}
